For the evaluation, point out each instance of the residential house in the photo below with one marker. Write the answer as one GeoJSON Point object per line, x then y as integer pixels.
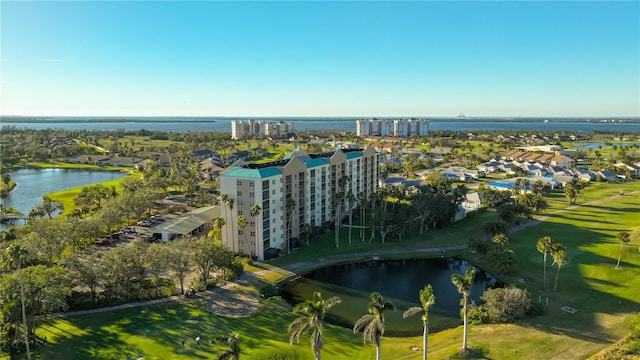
{"type": "Point", "coordinates": [562, 161]}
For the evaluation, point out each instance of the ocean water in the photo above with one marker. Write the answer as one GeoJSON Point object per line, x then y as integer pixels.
{"type": "Point", "coordinates": [345, 124]}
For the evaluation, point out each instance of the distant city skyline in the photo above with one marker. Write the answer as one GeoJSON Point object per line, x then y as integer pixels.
{"type": "Point", "coordinates": [352, 59]}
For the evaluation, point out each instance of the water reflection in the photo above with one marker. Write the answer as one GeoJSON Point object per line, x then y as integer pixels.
{"type": "Point", "coordinates": [399, 279]}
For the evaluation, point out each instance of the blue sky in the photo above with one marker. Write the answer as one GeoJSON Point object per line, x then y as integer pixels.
{"type": "Point", "coordinates": [504, 58]}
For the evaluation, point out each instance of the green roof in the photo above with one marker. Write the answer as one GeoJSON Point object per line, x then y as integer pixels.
{"type": "Point", "coordinates": [353, 155]}
{"type": "Point", "coordinates": [186, 223]}
{"type": "Point", "coordinates": [252, 173]}
{"type": "Point", "coordinates": [316, 162]}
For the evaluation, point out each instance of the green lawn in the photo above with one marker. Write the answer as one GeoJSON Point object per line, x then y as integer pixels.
{"type": "Point", "coordinates": [605, 298]}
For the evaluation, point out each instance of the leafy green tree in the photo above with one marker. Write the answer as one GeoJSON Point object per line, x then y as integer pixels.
{"type": "Point", "coordinates": [85, 270]}
{"type": "Point", "coordinates": [351, 200]}
{"type": "Point", "coordinates": [570, 192]}
{"type": "Point", "coordinates": [209, 258]}
{"type": "Point", "coordinates": [622, 237]}
{"type": "Point", "coordinates": [463, 283]}
{"type": "Point", "coordinates": [14, 257]}
{"type": "Point", "coordinates": [216, 233]}
{"type": "Point", "coordinates": [155, 262]}
{"type": "Point", "coordinates": [123, 269]}
{"type": "Point", "coordinates": [179, 260]}
{"type": "Point", "coordinates": [544, 246]}
{"type": "Point", "coordinates": [372, 324]}
{"type": "Point", "coordinates": [427, 299]}
{"type": "Point", "coordinates": [233, 346]}
{"type": "Point", "coordinates": [311, 319]}
{"type": "Point", "coordinates": [506, 304]}
{"type": "Point", "coordinates": [502, 259]}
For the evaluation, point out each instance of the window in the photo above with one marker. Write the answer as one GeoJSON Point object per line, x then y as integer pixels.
{"type": "Point", "coordinates": [251, 194]}
{"type": "Point", "coordinates": [239, 212]}
{"type": "Point", "coordinates": [251, 184]}
{"type": "Point", "coordinates": [240, 232]}
{"type": "Point", "coordinates": [239, 193]}
{"type": "Point", "coordinates": [241, 242]}
{"type": "Point", "coordinates": [253, 243]}
{"type": "Point", "coordinates": [253, 233]}
{"type": "Point", "coordinates": [252, 223]}
{"type": "Point", "coordinates": [239, 183]}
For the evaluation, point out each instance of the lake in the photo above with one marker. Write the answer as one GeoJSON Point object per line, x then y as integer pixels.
{"type": "Point", "coordinates": [398, 281]}
{"type": "Point", "coordinates": [32, 184]}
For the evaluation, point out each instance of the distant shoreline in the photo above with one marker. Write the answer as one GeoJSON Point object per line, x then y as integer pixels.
{"type": "Point", "coordinates": [195, 119]}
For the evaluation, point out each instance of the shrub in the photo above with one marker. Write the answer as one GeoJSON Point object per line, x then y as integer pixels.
{"type": "Point", "coordinates": [506, 304]}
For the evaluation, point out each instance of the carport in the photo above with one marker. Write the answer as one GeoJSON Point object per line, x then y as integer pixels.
{"type": "Point", "coordinates": [185, 224]}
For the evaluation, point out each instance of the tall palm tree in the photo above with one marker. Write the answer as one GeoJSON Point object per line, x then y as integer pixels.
{"type": "Point", "coordinates": [15, 255]}
{"type": "Point", "coordinates": [362, 200]}
{"type": "Point", "coordinates": [311, 319]}
{"type": "Point", "coordinates": [372, 324]}
{"type": "Point", "coordinates": [501, 241]}
{"type": "Point", "coordinates": [230, 202]}
{"type": "Point", "coordinates": [242, 224]}
{"type": "Point", "coordinates": [223, 199]}
{"type": "Point", "coordinates": [351, 199]}
{"type": "Point", "coordinates": [623, 237]}
{"type": "Point", "coordinates": [289, 206]}
{"type": "Point", "coordinates": [255, 213]}
{"type": "Point", "coordinates": [427, 299]}
{"type": "Point", "coordinates": [336, 200]}
{"type": "Point", "coordinates": [464, 283]}
{"type": "Point", "coordinates": [544, 246]}
{"type": "Point", "coordinates": [560, 259]}
{"type": "Point", "coordinates": [233, 346]}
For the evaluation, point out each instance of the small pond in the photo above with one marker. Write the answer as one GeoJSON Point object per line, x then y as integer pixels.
{"type": "Point", "coordinates": [32, 184]}
{"type": "Point", "coordinates": [398, 281]}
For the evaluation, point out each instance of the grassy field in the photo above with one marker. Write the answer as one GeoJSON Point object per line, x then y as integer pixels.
{"type": "Point", "coordinates": [605, 298]}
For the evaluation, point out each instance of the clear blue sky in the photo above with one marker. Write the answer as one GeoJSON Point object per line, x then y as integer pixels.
{"type": "Point", "coordinates": [578, 58]}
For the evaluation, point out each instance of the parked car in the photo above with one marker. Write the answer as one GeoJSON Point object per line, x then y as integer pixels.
{"type": "Point", "coordinates": [170, 197]}
{"type": "Point", "coordinates": [129, 230]}
{"type": "Point", "coordinates": [158, 218]}
{"type": "Point", "coordinates": [144, 223]}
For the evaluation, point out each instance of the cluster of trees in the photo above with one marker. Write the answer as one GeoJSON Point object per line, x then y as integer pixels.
{"type": "Point", "coordinates": [91, 278]}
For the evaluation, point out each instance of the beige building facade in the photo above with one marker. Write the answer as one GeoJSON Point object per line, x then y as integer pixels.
{"type": "Point", "coordinates": [292, 192]}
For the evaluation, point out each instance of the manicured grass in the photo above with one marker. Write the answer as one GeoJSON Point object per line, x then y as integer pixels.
{"type": "Point", "coordinates": [605, 298]}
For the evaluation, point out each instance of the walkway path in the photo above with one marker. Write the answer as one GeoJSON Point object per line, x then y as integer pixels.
{"type": "Point", "coordinates": [227, 302]}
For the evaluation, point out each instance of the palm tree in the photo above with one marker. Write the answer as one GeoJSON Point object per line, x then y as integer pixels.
{"type": "Point", "coordinates": [544, 246]}
{"type": "Point", "coordinates": [218, 223]}
{"type": "Point", "coordinates": [289, 206]}
{"type": "Point", "coordinates": [427, 299]}
{"type": "Point", "coordinates": [223, 199]}
{"type": "Point", "coordinates": [623, 237]}
{"type": "Point", "coordinates": [362, 200]}
{"type": "Point", "coordinates": [308, 230]}
{"type": "Point", "coordinates": [229, 202]}
{"type": "Point", "coordinates": [560, 259]}
{"type": "Point", "coordinates": [464, 283]}
{"type": "Point", "coordinates": [242, 224]}
{"type": "Point", "coordinates": [501, 241]}
{"type": "Point", "coordinates": [311, 319]}
{"type": "Point", "coordinates": [336, 200]}
{"type": "Point", "coordinates": [351, 199]}
{"type": "Point", "coordinates": [15, 255]}
{"type": "Point", "coordinates": [255, 213]}
{"type": "Point", "coordinates": [233, 346]}
{"type": "Point", "coordinates": [372, 324]}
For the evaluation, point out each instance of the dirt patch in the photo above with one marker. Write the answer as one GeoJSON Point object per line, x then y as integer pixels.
{"type": "Point", "coordinates": [232, 303]}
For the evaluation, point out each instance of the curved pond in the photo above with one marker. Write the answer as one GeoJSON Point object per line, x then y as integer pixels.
{"type": "Point", "coordinates": [398, 281]}
{"type": "Point", "coordinates": [32, 184]}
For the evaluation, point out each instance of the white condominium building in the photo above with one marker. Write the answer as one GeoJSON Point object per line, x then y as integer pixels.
{"type": "Point", "coordinates": [240, 129]}
{"type": "Point", "coordinates": [388, 127]}
{"type": "Point", "coordinates": [309, 180]}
